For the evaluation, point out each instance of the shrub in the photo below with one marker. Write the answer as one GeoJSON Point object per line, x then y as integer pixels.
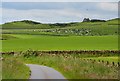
{"type": "Point", "coordinates": [29, 53]}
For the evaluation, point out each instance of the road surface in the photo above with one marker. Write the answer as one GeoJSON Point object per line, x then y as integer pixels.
{"type": "Point", "coordinates": [44, 72]}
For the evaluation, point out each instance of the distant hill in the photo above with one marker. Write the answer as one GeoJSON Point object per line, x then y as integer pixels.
{"type": "Point", "coordinates": [37, 25]}
{"type": "Point", "coordinates": [93, 20]}
{"type": "Point", "coordinates": [30, 22]}
{"type": "Point", "coordinates": [32, 25]}
{"type": "Point", "coordinates": [95, 28]}
{"type": "Point", "coordinates": [25, 24]}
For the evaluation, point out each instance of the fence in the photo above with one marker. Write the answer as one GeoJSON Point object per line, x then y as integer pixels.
{"type": "Point", "coordinates": [110, 64]}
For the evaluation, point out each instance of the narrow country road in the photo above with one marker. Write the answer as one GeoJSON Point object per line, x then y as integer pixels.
{"type": "Point", "coordinates": [43, 72]}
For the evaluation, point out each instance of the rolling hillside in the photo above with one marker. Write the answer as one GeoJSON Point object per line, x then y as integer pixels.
{"type": "Point", "coordinates": [32, 24]}
{"type": "Point", "coordinates": [90, 28]}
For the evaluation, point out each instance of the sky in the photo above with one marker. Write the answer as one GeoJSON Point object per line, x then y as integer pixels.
{"type": "Point", "coordinates": [57, 12]}
{"type": "Point", "coordinates": [59, 0]}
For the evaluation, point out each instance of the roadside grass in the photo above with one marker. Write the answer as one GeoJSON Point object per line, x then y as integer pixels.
{"type": "Point", "coordinates": [0, 69]}
{"type": "Point", "coordinates": [110, 59]}
{"type": "Point", "coordinates": [37, 42]}
{"type": "Point", "coordinates": [13, 68]}
{"type": "Point", "coordinates": [72, 67]}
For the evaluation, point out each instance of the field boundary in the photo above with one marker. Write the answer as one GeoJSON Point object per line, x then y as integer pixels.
{"type": "Point", "coordinates": [70, 52]}
{"type": "Point", "coordinates": [106, 63]}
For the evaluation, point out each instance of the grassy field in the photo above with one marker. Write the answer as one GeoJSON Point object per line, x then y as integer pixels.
{"type": "Point", "coordinates": [12, 68]}
{"type": "Point", "coordinates": [36, 42]}
{"type": "Point", "coordinates": [24, 35]}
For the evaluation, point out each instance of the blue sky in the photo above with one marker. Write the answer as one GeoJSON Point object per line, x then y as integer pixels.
{"type": "Point", "coordinates": [58, 12]}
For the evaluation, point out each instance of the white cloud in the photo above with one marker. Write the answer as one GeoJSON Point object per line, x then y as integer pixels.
{"type": "Point", "coordinates": [51, 15]}
{"type": "Point", "coordinates": [60, 0]}
{"type": "Point", "coordinates": [108, 6]}
{"type": "Point", "coordinates": [0, 15]}
{"type": "Point", "coordinates": [40, 15]}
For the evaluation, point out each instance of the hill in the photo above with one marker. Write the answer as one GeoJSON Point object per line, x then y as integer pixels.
{"type": "Point", "coordinates": [91, 28]}
{"type": "Point", "coordinates": [28, 24]}
{"type": "Point", "coordinates": [33, 24]}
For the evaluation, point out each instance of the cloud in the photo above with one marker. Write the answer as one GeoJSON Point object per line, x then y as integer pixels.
{"type": "Point", "coordinates": [51, 16]}
{"type": "Point", "coordinates": [34, 5]}
{"type": "Point", "coordinates": [59, 12]}
{"type": "Point", "coordinates": [45, 16]}
{"type": "Point", "coordinates": [0, 15]}
{"type": "Point", "coordinates": [108, 6]}
{"type": "Point", "coordinates": [48, 5]}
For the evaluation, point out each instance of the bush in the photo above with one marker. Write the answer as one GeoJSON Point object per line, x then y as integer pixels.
{"type": "Point", "coordinates": [29, 53]}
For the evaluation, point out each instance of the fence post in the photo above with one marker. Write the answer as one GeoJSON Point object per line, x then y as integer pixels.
{"type": "Point", "coordinates": [102, 61]}
{"type": "Point", "coordinates": [107, 63]}
{"type": "Point", "coordinates": [94, 60]}
{"type": "Point", "coordinates": [113, 64]}
{"type": "Point", "coordinates": [98, 60]}
{"type": "Point", "coordinates": [118, 64]}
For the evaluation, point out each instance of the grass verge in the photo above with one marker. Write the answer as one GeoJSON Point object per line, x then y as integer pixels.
{"type": "Point", "coordinates": [13, 68]}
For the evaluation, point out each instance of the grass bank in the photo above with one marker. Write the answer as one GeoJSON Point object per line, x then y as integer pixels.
{"type": "Point", "coordinates": [13, 68]}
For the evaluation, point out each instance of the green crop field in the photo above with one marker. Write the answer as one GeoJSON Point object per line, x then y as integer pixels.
{"type": "Point", "coordinates": [24, 42]}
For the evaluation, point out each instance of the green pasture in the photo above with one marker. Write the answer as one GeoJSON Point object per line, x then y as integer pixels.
{"type": "Point", "coordinates": [109, 27]}
{"type": "Point", "coordinates": [38, 42]}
